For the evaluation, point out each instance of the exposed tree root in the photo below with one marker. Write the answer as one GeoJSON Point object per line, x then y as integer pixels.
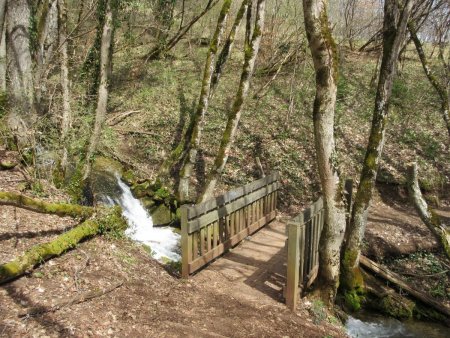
{"type": "Point", "coordinates": [110, 220]}
{"type": "Point", "coordinates": [60, 209]}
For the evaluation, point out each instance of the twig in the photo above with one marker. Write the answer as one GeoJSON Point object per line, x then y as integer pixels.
{"type": "Point", "coordinates": [126, 131]}
{"type": "Point", "coordinates": [74, 300]}
{"type": "Point", "coordinates": [422, 275]}
{"type": "Point", "coordinates": [120, 117]}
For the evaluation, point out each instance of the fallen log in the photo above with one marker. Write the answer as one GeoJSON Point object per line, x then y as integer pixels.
{"type": "Point", "coordinates": [60, 209]}
{"type": "Point", "coordinates": [79, 298]}
{"type": "Point", "coordinates": [396, 279]}
{"type": "Point", "coordinates": [109, 220]}
{"type": "Point", "coordinates": [427, 215]}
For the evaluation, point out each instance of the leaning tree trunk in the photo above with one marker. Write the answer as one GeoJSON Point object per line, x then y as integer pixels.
{"type": "Point", "coordinates": [193, 134]}
{"type": "Point", "coordinates": [110, 220]}
{"type": "Point", "coordinates": [324, 54]}
{"type": "Point", "coordinates": [440, 89]}
{"type": "Point", "coordinates": [395, 22]}
{"type": "Point", "coordinates": [102, 99]}
{"type": "Point", "coordinates": [227, 47]}
{"type": "Point", "coordinates": [251, 52]}
{"type": "Point", "coordinates": [66, 121]}
{"type": "Point", "coordinates": [427, 215]}
{"type": "Point", "coordinates": [60, 209]}
{"type": "Point", "coordinates": [20, 89]}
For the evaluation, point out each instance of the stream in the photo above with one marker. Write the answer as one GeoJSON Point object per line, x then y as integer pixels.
{"type": "Point", "coordinates": [163, 241]}
{"type": "Point", "coordinates": [370, 325]}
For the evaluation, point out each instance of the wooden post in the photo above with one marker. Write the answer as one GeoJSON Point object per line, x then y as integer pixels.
{"type": "Point", "coordinates": [293, 261]}
{"type": "Point", "coordinates": [186, 242]}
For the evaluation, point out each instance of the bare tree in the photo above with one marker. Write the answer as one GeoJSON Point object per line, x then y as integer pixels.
{"type": "Point", "coordinates": [66, 120]}
{"type": "Point", "coordinates": [394, 33]}
{"type": "Point", "coordinates": [193, 135]}
{"type": "Point", "coordinates": [102, 98]}
{"type": "Point", "coordinates": [251, 52]}
{"type": "Point", "coordinates": [438, 85]}
{"type": "Point", "coordinates": [323, 51]}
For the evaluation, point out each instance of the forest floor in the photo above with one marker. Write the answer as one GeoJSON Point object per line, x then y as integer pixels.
{"type": "Point", "coordinates": [239, 295]}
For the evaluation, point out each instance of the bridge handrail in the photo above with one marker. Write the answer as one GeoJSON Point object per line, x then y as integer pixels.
{"type": "Point", "coordinates": [210, 228]}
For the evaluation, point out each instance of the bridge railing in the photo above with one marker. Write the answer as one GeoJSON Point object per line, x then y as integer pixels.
{"type": "Point", "coordinates": [211, 228]}
{"type": "Point", "coordinates": [303, 250]}
{"type": "Point", "coordinates": [304, 232]}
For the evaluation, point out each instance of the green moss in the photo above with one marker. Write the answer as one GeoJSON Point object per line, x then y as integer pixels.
{"type": "Point", "coordinates": [331, 44]}
{"type": "Point", "coordinates": [352, 300]}
{"type": "Point", "coordinates": [401, 310]}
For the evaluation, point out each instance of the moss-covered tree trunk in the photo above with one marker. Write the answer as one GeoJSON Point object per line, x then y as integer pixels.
{"type": "Point", "coordinates": [60, 209]}
{"type": "Point", "coordinates": [324, 54]}
{"type": "Point", "coordinates": [102, 99]}
{"type": "Point", "coordinates": [427, 215]}
{"type": "Point", "coordinates": [227, 47]}
{"type": "Point", "coordinates": [251, 52]}
{"type": "Point", "coordinates": [193, 134]}
{"type": "Point", "coordinates": [20, 88]}
{"type": "Point", "coordinates": [66, 120]}
{"type": "Point", "coordinates": [38, 254]}
{"type": "Point", "coordinates": [394, 32]}
{"type": "Point", "coordinates": [438, 86]}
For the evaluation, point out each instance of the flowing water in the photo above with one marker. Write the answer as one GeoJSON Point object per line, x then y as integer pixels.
{"type": "Point", "coordinates": [163, 241]}
{"type": "Point", "coordinates": [375, 326]}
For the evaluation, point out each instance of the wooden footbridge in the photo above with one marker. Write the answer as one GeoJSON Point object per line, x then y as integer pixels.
{"type": "Point", "coordinates": [213, 228]}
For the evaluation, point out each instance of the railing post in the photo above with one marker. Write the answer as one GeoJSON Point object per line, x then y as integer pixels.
{"type": "Point", "coordinates": [186, 242]}
{"type": "Point", "coordinates": [293, 264]}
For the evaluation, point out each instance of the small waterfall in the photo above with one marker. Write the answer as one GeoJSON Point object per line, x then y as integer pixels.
{"type": "Point", "coordinates": [163, 241]}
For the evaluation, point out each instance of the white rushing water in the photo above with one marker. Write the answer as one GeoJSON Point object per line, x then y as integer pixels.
{"type": "Point", "coordinates": [162, 240]}
{"type": "Point", "coordinates": [371, 329]}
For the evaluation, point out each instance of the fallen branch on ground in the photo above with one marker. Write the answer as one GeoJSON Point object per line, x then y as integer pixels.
{"type": "Point", "coordinates": [80, 298]}
{"type": "Point", "coordinates": [396, 279]}
{"type": "Point", "coordinates": [120, 117]}
{"type": "Point", "coordinates": [110, 220]}
{"type": "Point", "coordinates": [129, 131]}
{"type": "Point", "coordinates": [60, 209]}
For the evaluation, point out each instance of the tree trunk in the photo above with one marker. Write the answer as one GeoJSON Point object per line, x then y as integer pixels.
{"type": "Point", "coordinates": [395, 22]}
{"type": "Point", "coordinates": [2, 47]}
{"type": "Point", "coordinates": [60, 209]}
{"type": "Point", "coordinates": [66, 121]}
{"type": "Point", "coordinates": [228, 46]}
{"type": "Point", "coordinates": [323, 51]}
{"type": "Point", "coordinates": [68, 240]}
{"type": "Point", "coordinates": [20, 87]}
{"type": "Point", "coordinates": [427, 215]}
{"type": "Point", "coordinates": [102, 99]}
{"type": "Point", "coordinates": [47, 39]}
{"type": "Point", "coordinates": [440, 89]}
{"type": "Point", "coordinates": [251, 52]}
{"type": "Point", "coordinates": [195, 128]}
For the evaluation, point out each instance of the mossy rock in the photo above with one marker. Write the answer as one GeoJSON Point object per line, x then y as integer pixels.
{"type": "Point", "coordinates": [148, 202]}
{"type": "Point", "coordinates": [161, 215]}
{"type": "Point", "coordinates": [103, 180]}
{"type": "Point", "coordinates": [7, 165]}
{"type": "Point", "coordinates": [394, 308]}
